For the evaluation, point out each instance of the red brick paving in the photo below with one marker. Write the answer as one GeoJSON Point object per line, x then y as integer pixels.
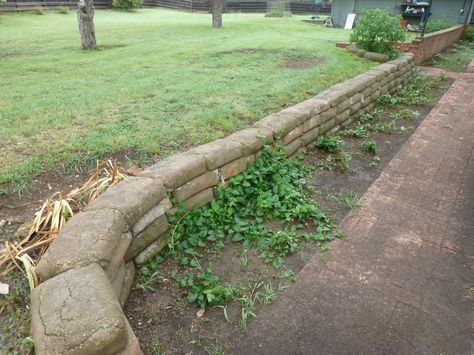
{"type": "Point", "coordinates": [403, 282]}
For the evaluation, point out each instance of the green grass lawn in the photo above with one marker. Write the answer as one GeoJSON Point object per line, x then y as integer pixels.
{"type": "Point", "coordinates": [160, 82]}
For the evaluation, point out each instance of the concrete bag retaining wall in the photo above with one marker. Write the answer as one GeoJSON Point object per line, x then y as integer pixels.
{"type": "Point", "coordinates": [88, 270]}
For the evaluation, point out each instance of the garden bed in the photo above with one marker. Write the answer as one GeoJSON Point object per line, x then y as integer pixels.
{"type": "Point", "coordinates": [158, 310]}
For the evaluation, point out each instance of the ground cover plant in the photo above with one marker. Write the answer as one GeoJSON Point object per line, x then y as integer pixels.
{"type": "Point", "coordinates": [159, 82]}
{"type": "Point", "coordinates": [240, 276]}
{"type": "Point", "coordinates": [456, 57]}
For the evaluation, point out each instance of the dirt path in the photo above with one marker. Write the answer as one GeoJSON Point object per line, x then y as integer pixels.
{"type": "Point", "coordinates": [403, 282]}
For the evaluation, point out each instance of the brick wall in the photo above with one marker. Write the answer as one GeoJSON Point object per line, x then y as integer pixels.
{"type": "Point", "coordinates": [425, 48]}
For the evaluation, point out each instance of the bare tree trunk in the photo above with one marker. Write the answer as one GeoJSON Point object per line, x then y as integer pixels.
{"type": "Point", "coordinates": [85, 18]}
{"type": "Point", "coordinates": [217, 6]}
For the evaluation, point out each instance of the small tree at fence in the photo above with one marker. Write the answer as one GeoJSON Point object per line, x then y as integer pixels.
{"type": "Point", "coordinates": [378, 32]}
{"type": "Point", "coordinates": [85, 18]}
{"type": "Point", "coordinates": [217, 7]}
{"type": "Point", "coordinates": [129, 5]}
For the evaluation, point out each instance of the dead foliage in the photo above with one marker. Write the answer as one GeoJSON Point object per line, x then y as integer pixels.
{"type": "Point", "coordinates": [51, 218]}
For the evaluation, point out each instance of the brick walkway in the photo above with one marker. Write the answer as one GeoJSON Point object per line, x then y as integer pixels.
{"type": "Point", "coordinates": [404, 281]}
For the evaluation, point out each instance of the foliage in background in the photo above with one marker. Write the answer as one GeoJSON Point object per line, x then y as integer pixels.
{"type": "Point", "coordinates": [278, 9]}
{"type": "Point", "coordinates": [38, 10]}
{"type": "Point", "coordinates": [469, 34]}
{"type": "Point", "coordinates": [63, 9]}
{"type": "Point", "coordinates": [378, 32]}
{"type": "Point", "coordinates": [434, 25]}
{"type": "Point", "coordinates": [129, 5]}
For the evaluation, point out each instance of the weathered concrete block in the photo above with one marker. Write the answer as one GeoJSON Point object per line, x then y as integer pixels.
{"type": "Point", "coordinates": [117, 281]}
{"type": "Point", "coordinates": [281, 123]}
{"type": "Point", "coordinates": [386, 68]}
{"type": "Point", "coordinates": [334, 95]}
{"type": "Point", "coordinates": [133, 197]}
{"type": "Point", "coordinates": [317, 106]}
{"type": "Point", "coordinates": [133, 347]}
{"type": "Point", "coordinates": [367, 92]}
{"type": "Point", "coordinates": [344, 105]}
{"type": "Point", "coordinates": [77, 313]}
{"type": "Point", "coordinates": [252, 139]}
{"type": "Point", "coordinates": [293, 147]}
{"type": "Point", "coordinates": [148, 236]}
{"type": "Point", "coordinates": [310, 136]}
{"type": "Point", "coordinates": [292, 135]}
{"type": "Point", "coordinates": [127, 284]}
{"type": "Point", "coordinates": [376, 57]}
{"type": "Point", "coordinates": [235, 167]}
{"type": "Point", "coordinates": [355, 108]}
{"type": "Point", "coordinates": [88, 237]}
{"type": "Point", "coordinates": [176, 170]}
{"type": "Point", "coordinates": [195, 201]}
{"type": "Point", "coordinates": [311, 123]}
{"type": "Point", "coordinates": [219, 152]}
{"type": "Point", "coordinates": [347, 122]}
{"type": "Point", "coordinates": [328, 115]}
{"type": "Point", "coordinates": [153, 249]}
{"type": "Point", "coordinates": [326, 126]}
{"type": "Point", "coordinates": [119, 255]}
{"type": "Point", "coordinates": [157, 211]}
{"type": "Point", "coordinates": [356, 98]}
{"type": "Point", "coordinates": [352, 48]}
{"type": "Point", "coordinates": [192, 187]}
{"type": "Point", "coordinates": [341, 117]}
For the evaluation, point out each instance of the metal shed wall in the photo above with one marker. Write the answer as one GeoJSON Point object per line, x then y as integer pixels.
{"type": "Point", "coordinates": [442, 9]}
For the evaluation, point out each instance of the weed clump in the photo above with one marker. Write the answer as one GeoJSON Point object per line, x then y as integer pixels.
{"type": "Point", "coordinates": [269, 189]}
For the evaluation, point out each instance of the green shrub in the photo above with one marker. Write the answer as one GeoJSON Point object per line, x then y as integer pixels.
{"type": "Point", "coordinates": [129, 5]}
{"type": "Point", "coordinates": [38, 10]}
{"type": "Point", "coordinates": [331, 144]}
{"type": "Point", "coordinates": [470, 34]}
{"type": "Point", "coordinates": [370, 146]}
{"type": "Point", "coordinates": [435, 25]}
{"type": "Point", "coordinates": [378, 32]}
{"type": "Point", "coordinates": [278, 10]}
{"type": "Point", "coordinates": [63, 9]}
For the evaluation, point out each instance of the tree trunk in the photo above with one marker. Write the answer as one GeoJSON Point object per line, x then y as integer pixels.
{"type": "Point", "coordinates": [217, 6]}
{"type": "Point", "coordinates": [85, 18]}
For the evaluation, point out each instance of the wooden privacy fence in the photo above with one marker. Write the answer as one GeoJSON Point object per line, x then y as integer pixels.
{"type": "Point", "coordinates": [296, 7]}
{"type": "Point", "coordinates": [22, 5]}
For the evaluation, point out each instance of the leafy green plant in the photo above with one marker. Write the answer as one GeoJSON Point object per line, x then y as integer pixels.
{"type": "Point", "coordinates": [204, 288]}
{"type": "Point", "coordinates": [359, 131]}
{"type": "Point", "coordinates": [378, 32]}
{"type": "Point", "coordinates": [469, 34]}
{"type": "Point", "coordinates": [38, 10]}
{"type": "Point", "coordinates": [278, 10]}
{"type": "Point", "coordinates": [331, 143]}
{"type": "Point", "coordinates": [370, 146]}
{"type": "Point", "coordinates": [62, 9]}
{"type": "Point", "coordinates": [129, 5]}
{"type": "Point", "coordinates": [348, 200]}
{"type": "Point", "coordinates": [405, 114]}
{"type": "Point", "coordinates": [389, 100]}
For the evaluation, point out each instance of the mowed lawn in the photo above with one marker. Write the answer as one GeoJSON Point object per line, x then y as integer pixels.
{"type": "Point", "coordinates": [160, 82]}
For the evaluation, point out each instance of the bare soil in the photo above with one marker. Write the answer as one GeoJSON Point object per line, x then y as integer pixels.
{"type": "Point", "coordinates": [166, 323]}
